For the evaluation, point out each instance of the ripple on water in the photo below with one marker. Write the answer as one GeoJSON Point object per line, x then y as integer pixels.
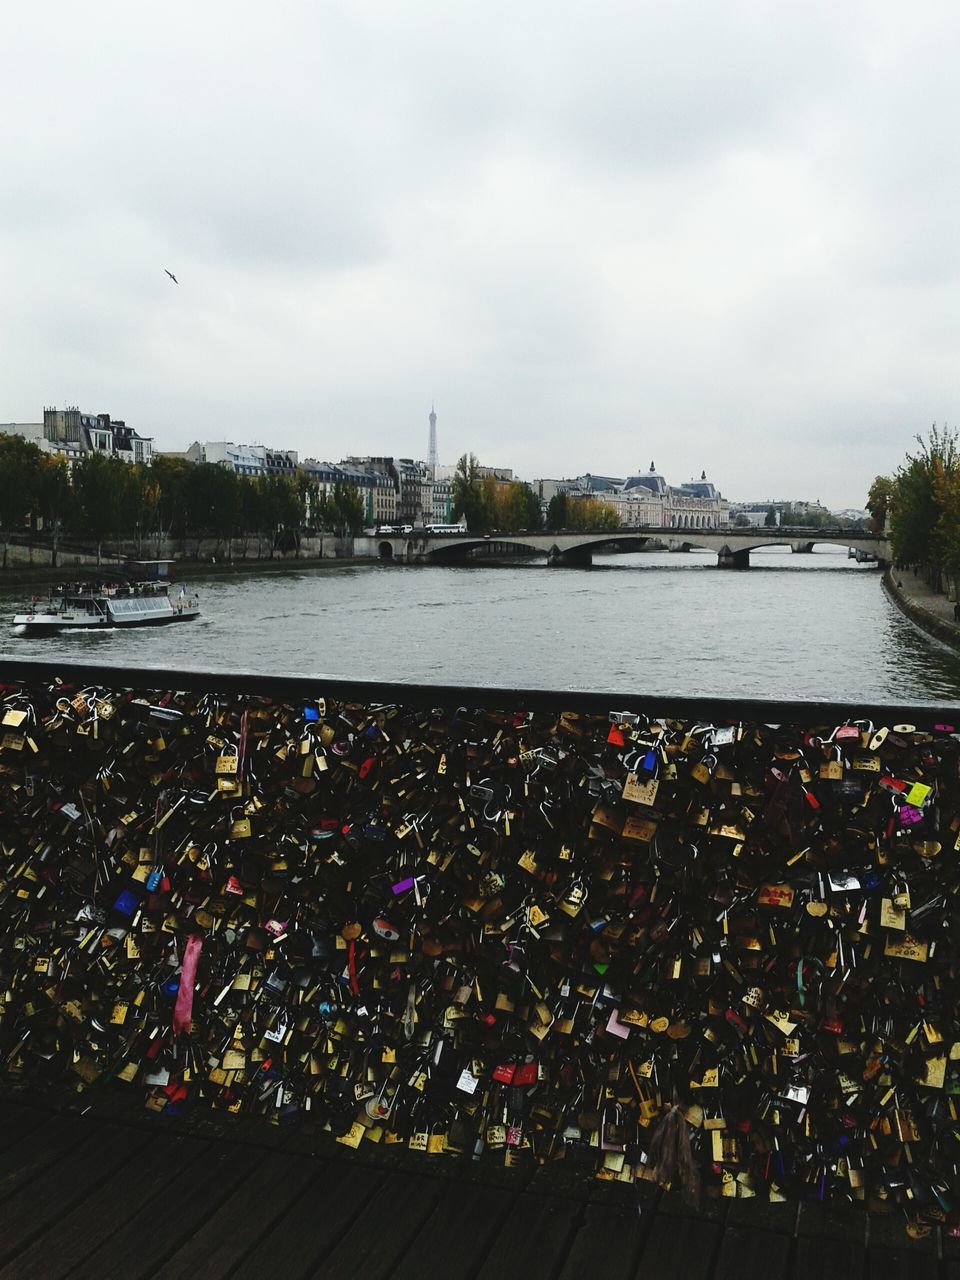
{"type": "Point", "coordinates": [811, 627]}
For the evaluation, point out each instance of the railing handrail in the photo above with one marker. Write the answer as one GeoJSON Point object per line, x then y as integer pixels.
{"type": "Point", "coordinates": [295, 687]}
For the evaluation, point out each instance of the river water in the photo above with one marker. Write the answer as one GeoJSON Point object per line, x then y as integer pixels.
{"type": "Point", "coordinates": [814, 626]}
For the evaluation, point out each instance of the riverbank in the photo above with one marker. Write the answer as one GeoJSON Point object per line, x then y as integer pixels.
{"type": "Point", "coordinates": [926, 608]}
{"type": "Point", "coordinates": [29, 576]}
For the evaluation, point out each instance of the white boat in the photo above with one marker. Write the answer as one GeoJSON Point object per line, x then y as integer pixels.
{"type": "Point", "coordinates": [75, 606]}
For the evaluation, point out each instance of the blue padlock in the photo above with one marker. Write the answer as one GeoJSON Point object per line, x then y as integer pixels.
{"type": "Point", "coordinates": [126, 902]}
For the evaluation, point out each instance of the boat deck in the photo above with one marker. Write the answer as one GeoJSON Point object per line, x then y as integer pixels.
{"type": "Point", "coordinates": [134, 1195]}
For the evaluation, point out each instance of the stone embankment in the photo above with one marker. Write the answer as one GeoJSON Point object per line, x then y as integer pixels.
{"type": "Point", "coordinates": [927, 609]}
{"type": "Point", "coordinates": [31, 562]}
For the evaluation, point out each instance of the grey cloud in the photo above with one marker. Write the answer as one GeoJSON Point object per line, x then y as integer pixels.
{"type": "Point", "coordinates": [717, 235]}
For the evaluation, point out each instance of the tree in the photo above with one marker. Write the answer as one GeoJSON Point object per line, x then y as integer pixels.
{"type": "Point", "coordinates": [170, 475]}
{"type": "Point", "coordinates": [98, 482]}
{"type": "Point", "coordinates": [946, 532]}
{"type": "Point", "coordinates": [879, 501]}
{"type": "Point", "coordinates": [591, 513]}
{"type": "Point", "coordinates": [471, 498]}
{"type": "Point", "coordinates": [770, 519]}
{"type": "Point", "coordinates": [350, 510]}
{"type": "Point", "coordinates": [516, 507]}
{"type": "Point", "coordinates": [19, 475]}
{"type": "Point", "coordinates": [251, 518]}
{"type": "Point", "coordinates": [55, 496]}
{"type": "Point", "coordinates": [531, 512]}
{"type": "Point", "coordinates": [557, 512]}
{"type": "Point", "coordinates": [282, 505]}
{"type": "Point", "coordinates": [922, 508]}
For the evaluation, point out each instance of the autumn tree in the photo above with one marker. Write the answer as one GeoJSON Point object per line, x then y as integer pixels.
{"type": "Point", "coordinates": [591, 513]}
{"type": "Point", "coordinates": [471, 497]}
{"type": "Point", "coordinates": [517, 507]}
{"type": "Point", "coordinates": [915, 508]}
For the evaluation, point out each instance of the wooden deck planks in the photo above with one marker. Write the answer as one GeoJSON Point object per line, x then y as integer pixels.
{"type": "Point", "coordinates": [679, 1249]}
{"type": "Point", "coordinates": [607, 1243]}
{"type": "Point", "coordinates": [752, 1255]}
{"type": "Point", "coordinates": [457, 1236]}
{"type": "Point", "coordinates": [383, 1231]}
{"type": "Point", "coordinates": [309, 1230]}
{"type": "Point", "coordinates": [34, 1152]}
{"type": "Point", "coordinates": [533, 1238]}
{"type": "Point", "coordinates": [16, 1121]}
{"type": "Point", "coordinates": [144, 1242]}
{"type": "Point", "coordinates": [831, 1242]}
{"type": "Point", "coordinates": [64, 1184]}
{"type": "Point", "coordinates": [241, 1220]}
{"type": "Point", "coordinates": [818, 1259]}
{"type": "Point", "coordinates": [141, 1182]}
{"type": "Point", "coordinates": [83, 1197]}
{"type": "Point", "coordinates": [901, 1264]}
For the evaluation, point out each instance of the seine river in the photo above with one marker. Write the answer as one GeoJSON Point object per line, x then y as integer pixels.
{"type": "Point", "coordinates": [815, 626]}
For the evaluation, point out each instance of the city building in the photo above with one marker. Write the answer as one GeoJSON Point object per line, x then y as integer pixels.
{"type": "Point", "coordinates": [76, 434]}
{"type": "Point", "coordinates": [441, 511]}
{"type": "Point", "coordinates": [646, 500]}
{"type": "Point", "coordinates": [244, 459]}
{"type": "Point", "coordinates": [503, 474]}
{"type": "Point", "coordinates": [416, 497]}
{"type": "Point", "coordinates": [32, 431]}
{"type": "Point", "coordinates": [377, 489]}
{"type": "Point", "coordinates": [128, 445]}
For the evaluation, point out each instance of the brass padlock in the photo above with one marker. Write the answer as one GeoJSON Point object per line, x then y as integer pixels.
{"type": "Point", "coordinates": [832, 770]}
{"type": "Point", "coordinates": [701, 771]}
{"type": "Point", "coordinates": [240, 827]}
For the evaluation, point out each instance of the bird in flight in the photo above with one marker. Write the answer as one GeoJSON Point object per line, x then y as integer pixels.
{"type": "Point", "coordinates": [172, 276]}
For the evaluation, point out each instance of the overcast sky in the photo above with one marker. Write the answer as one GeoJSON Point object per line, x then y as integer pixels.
{"type": "Point", "coordinates": [712, 235]}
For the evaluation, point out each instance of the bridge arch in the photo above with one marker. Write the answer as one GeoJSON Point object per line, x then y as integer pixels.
{"type": "Point", "coordinates": [732, 544]}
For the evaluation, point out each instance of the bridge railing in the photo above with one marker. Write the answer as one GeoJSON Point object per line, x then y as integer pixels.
{"type": "Point", "coordinates": [512, 924]}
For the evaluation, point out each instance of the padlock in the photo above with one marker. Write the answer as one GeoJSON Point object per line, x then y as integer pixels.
{"type": "Point", "coordinates": [703, 769]}
{"type": "Point", "coordinates": [240, 826]}
{"type": "Point", "coordinates": [832, 770]}
{"type": "Point", "coordinates": [228, 760]}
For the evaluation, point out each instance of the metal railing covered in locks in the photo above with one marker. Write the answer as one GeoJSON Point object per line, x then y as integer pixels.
{"type": "Point", "coordinates": [665, 938]}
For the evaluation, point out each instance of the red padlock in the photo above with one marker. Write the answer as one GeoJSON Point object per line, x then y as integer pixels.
{"type": "Point", "coordinates": [526, 1073]}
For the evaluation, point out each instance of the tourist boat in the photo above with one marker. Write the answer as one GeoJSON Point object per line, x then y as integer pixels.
{"type": "Point", "coordinates": [75, 606]}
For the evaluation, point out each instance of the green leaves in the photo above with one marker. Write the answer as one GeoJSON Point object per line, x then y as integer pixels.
{"type": "Point", "coordinates": [921, 504]}
{"type": "Point", "coordinates": [488, 503]}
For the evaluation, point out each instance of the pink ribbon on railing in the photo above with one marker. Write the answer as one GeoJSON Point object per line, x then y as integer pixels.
{"type": "Point", "coordinates": [183, 1009]}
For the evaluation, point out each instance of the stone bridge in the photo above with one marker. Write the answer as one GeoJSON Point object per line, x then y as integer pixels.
{"type": "Point", "coordinates": [733, 546]}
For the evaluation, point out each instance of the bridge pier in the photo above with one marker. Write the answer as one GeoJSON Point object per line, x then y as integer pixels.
{"type": "Point", "coordinates": [576, 558]}
{"type": "Point", "coordinates": [727, 559]}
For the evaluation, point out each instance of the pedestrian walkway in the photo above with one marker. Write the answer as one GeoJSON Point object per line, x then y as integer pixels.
{"type": "Point", "coordinates": [929, 609]}
{"type": "Point", "coordinates": [139, 1197]}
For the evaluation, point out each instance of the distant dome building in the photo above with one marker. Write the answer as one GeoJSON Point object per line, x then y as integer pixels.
{"type": "Point", "coordinates": [652, 481]}
{"type": "Point", "coordinates": [702, 488]}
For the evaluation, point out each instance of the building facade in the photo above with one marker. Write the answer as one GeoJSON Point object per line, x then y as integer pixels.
{"type": "Point", "coordinates": [245, 459]}
{"type": "Point", "coordinates": [76, 434]}
{"type": "Point", "coordinates": [646, 500]}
